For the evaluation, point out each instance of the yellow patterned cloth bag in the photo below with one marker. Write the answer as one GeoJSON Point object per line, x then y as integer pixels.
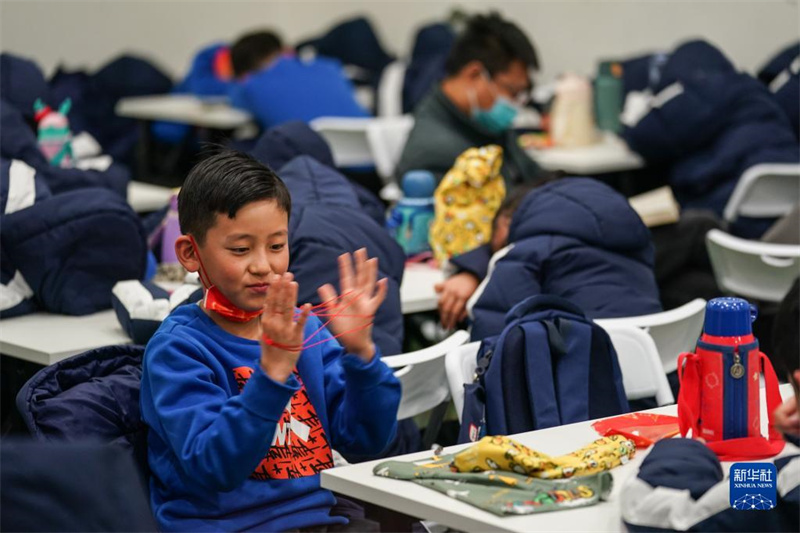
{"type": "Point", "coordinates": [503, 453]}
{"type": "Point", "coordinates": [466, 201]}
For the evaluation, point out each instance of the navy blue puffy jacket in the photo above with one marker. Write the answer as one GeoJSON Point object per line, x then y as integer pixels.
{"type": "Point", "coordinates": [681, 487]}
{"type": "Point", "coordinates": [708, 124]}
{"type": "Point", "coordinates": [327, 221]}
{"type": "Point", "coordinates": [68, 249]}
{"type": "Point", "coordinates": [578, 239]}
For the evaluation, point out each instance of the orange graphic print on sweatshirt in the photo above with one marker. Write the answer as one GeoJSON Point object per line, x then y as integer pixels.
{"type": "Point", "coordinates": [299, 447]}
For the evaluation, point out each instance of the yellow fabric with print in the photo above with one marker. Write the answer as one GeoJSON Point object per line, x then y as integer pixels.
{"type": "Point", "coordinates": [466, 201]}
{"type": "Point", "coordinates": [503, 453]}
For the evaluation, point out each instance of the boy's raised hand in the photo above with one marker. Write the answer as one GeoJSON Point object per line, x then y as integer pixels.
{"type": "Point", "coordinates": [362, 294]}
{"type": "Point", "coordinates": [278, 324]}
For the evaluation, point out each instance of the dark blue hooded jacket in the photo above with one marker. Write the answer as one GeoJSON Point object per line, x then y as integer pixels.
{"type": "Point", "coordinates": [681, 487]}
{"type": "Point", "coordinates": [63, 253]}
{"type": "Point", "coordinates": [578, 239]}
{"type": "Point", "coordinates": [708, 124]}
{"type": "Point", "coordinates": [327, 221]}
{"type": "Point", "coordinates": [782, 75]}
{"type": "Point", "coordinates": [280, 144]}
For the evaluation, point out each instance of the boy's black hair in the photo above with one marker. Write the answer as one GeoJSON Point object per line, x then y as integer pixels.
{"type": "Point", "coordinates": [250, 50]}
{"type": "Point", "coordinates": [225, 182]}
{"type": "Point", "coordinates": [492, 41]}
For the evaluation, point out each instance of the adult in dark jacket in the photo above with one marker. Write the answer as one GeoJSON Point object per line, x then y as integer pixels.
{"type": "Point", "coordinates": [782, 75]}
{"type": "Point", "coordinates": [486, 71]}
{"type": "Point", "coordinates": [575, 238]}
{"type": "Point", "coordinates": [326, 221]}
{"type": "Point", "coordinates": [280, 144]}
{"type": "Point", "coordinates": [708, 124]}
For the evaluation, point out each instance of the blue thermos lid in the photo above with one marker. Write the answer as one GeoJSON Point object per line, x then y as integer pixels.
{"type": "Point", "coordinates": [418, 184]}
{"type": "Point", "coordinates": [729, 317]}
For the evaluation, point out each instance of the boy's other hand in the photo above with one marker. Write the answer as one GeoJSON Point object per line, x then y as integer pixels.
{"type": "Point", "coordinates": [454, 293]}
{"type": "Point", "coordinates": [786, 416]}
{"type": "Point", "coordinates": [362, 295]}
{"type": "Point", "coordinates": [278, 324]}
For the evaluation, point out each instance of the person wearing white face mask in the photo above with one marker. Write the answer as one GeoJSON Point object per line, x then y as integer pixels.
{"type": "Point", "coordinates": [487, 80]}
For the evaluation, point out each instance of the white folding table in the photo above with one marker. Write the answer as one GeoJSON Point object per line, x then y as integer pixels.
{"type": "Point", "coordinates": [358, 481]}
{"type": "Point", "coordinates": [611, 154]}
{"type": "Point", "coordinates": [46, 338]}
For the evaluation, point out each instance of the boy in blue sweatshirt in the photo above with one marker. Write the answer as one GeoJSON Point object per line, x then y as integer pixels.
{"type": "Point", "coordinates": [244, 394]}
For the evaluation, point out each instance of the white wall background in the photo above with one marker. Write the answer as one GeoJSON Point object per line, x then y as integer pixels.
{"type": "Point", "coordinates": [570, 35]}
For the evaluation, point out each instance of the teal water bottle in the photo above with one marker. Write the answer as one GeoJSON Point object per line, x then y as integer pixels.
{"type": "Point", "coordinates": [411, 218]}
{"type": "Point", "coordinates": [608, 96]}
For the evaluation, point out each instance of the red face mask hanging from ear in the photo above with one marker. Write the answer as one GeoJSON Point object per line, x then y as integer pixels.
{"type": "Point", "coordinates": [215, 301]}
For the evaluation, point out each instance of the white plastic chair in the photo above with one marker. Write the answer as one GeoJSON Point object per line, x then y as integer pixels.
{"type": "Point", "coordinates": [642, 375]}
{"type": "Point", "coordinates": [390, 89]}
{"type": "Point", "coordinates": [366, 141]}
{"type": "Point", "coordinates": [424, 381]}
{"type": "Point", "coordinates": [460, 365]}
{"type": "Point", "coordinates": [387, 137]}
{"type": "Point", "coordinates": [674, 331]}
{"type": "Point", "coordinates": [753, 269]}
{"type": "Point", "coordinates": [767, 190]}
{"type": "Point", "coordinates": [347, 137]}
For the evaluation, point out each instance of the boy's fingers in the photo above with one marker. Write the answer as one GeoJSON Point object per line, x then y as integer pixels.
{"type": "Point", "coordinates": [289, 301]}
{"type": "Point", "coordinates": [327, 293]}
{"type": "Point", "coordinates": [439, 287]}
{"type": "Point", "coordinates": [362, 267]}
{"type": "Point", "coordinates": [345, 273]}
{"type": "Point", "coordinates": [301, 320]}
{"type": "Point", "coordinates": [380, 295]}
{"type": "Point", "coordinates": [372, 276]}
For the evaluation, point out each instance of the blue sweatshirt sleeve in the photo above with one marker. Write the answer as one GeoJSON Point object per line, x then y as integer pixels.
{"type": "Point", "coordinates": [362, 400]}
{"type": "Point", "coordinates": [218, 438]}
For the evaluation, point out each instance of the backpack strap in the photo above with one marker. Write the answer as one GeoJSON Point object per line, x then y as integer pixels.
{"type": "Point", "coordinates": [689, 393]}
{"type": "Point", "coordinates": [570, 351]}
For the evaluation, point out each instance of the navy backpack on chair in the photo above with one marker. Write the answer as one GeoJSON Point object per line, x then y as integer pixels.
{"type": "Point", "coordinates": [550, 366]}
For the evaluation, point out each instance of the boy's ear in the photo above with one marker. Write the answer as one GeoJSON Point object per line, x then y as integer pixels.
{"type": "Point", "coordinates": [187, 254]}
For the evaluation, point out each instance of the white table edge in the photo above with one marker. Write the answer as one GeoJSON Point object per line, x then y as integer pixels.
{"type": "Point", "coordinates": [337, 481]}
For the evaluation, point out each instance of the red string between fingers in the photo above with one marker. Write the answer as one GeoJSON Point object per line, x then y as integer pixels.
{"type": "Point", "coordinates": [329, 309]}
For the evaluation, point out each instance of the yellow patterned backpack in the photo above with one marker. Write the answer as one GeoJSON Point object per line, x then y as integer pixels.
{"type": "Point", "coordinates": [466, 201]}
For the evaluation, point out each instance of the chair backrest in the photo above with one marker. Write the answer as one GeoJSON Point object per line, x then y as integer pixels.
{"type": "Point", "coordinates": [422, 375]}
{"type": "Point", "coordinates": [753, 269]}
{"type": "Point", "coordinates": [766, 190]}
{"type": "Point", "coordinates": [390, 89]}
{"type": "Point", "coordinates": [366, 141]}
{"type": "Point", "coordinates": [642, 374]}
{"type": "Point", "coordinates": [347, 137]}
{"type": "Point", "coordinates": [387, 137]}
{"type": "Point", "coordinates": [460, 365]}
{"type": "Point", "coordinates": [675, 331]}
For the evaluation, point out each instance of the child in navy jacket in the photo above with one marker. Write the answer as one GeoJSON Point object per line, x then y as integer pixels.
{"type": "Point", "coordinates": [244, 394]}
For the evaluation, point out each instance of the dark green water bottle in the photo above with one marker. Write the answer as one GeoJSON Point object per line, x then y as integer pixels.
{"type": "Point", "coordinates": [608, 96]}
